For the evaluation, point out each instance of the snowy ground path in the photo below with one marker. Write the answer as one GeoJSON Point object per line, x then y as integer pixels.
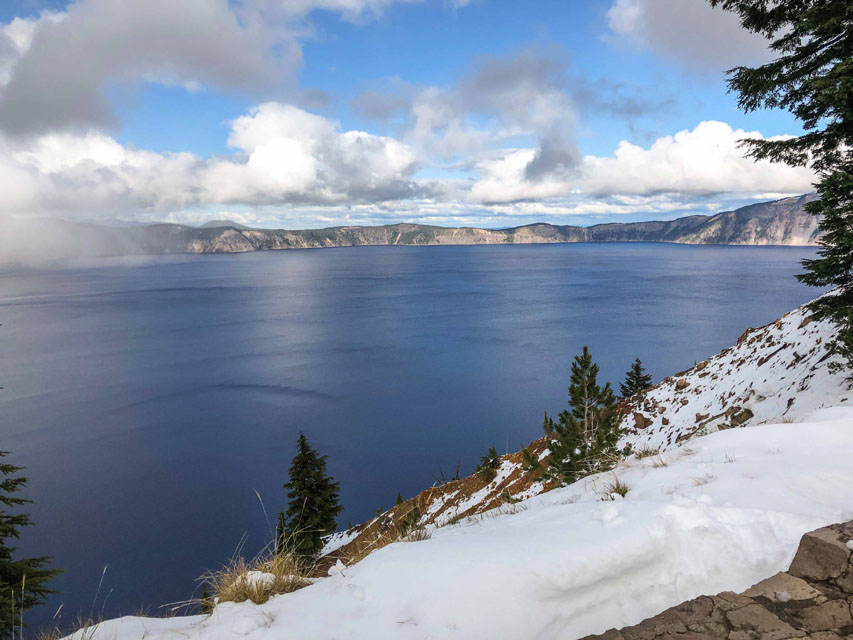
{"type": "Point", "coordinates": [721, 515]}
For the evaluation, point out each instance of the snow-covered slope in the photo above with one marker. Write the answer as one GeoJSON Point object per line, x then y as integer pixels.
{"type": "Point", "coordinates": [722, 514]}
{"type": "Point", "coordinates": [779, 372]}
{"type": "Point", "coordinates": [775, 373]}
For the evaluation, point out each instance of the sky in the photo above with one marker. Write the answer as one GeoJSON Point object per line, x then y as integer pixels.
{"type": "Point", "coordinates": [312, 113]}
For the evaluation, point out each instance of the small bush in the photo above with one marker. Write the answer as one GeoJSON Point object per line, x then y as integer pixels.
{"type": "Point", "coordinates": [487, 469]}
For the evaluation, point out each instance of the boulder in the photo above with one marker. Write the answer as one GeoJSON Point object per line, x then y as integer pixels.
{"type": "Point", "coordinates": [824, 553]}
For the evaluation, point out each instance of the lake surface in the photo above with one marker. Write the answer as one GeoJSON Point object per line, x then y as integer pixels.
{"type": "Point", "coordinates": [151, 398]}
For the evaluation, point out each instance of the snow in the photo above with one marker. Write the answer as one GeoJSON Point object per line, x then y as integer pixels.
{"type": "Point", "coordinates": [721, 515]}
{"type": "Point", "coordinates": [338, 540]}
{"type": "Point", "coordinates": [779, 372]}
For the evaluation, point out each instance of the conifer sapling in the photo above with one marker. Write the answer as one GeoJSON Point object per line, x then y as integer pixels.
{"type": "Point", "coordinates": [314, 501]}
{"type": "Point", "coordinates": [636, 380]}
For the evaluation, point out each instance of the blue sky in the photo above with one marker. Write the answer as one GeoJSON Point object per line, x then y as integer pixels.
{"type": "Point", "coordinates": [488, 112]}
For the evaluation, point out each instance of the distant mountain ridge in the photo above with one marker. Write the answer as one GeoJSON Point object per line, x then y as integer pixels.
{"type": "Point", "coordinates": [780, 222]}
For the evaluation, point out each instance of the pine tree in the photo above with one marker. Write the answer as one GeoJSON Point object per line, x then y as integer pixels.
{"type": "Point", "coordinates": [399, 499]}
{"type": "Point", "coordinates": [811, 77]}
{"type": "Point", "coordinates": [636, 380]}
{"type": "Point", "coordinates": [583, 440]}
{"type": "Point", "coordinates": [23, 581]}
{"type": "Point", "coordinates": [313, 501]}
{"type": "Point", "coordinates": [488, 465]}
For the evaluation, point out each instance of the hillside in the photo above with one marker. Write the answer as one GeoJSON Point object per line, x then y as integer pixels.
{"type": "Point", "coordinates": [714, 508]}
{"type": "Point", "coordinates": [781, 222]}
{"type": "Point", "coordinates": [776, 373]}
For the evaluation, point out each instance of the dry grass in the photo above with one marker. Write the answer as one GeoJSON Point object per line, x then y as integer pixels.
{"type": "Point", "coordinates": [703, 480]}
{"type": "Point", "coordinates": [646, 453]}
{"type": "Point", "coordinates": [659, 462]}
{"type": "Point", "coordinates": [614, 487]}
{"type": "Point", "coordinates": [419, 534]}
{"type": "Point", "coordinates": [365, 548]}
{"type": "Point", "coordinates": [85, 628]}
{"type": "Point", "coordinates": [730, 458]}
{"type": "Point", "coordinates": [258, 579]}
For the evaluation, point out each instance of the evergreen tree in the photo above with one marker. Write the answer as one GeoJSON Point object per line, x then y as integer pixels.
{"type": "Point", "coordinates": [636, 380]}
{"type": "Point", "coordinates": [313, 501]}
{"type": "Point", "coordinates": [399, 499]}
{"type": "Point", "coordinates": [811, 77]}
{"type": "Point", "coordinates": [488, 466]}
{"type": "Point", "coordinates": [583, 439]}
{"type": "Point", "coordinates": [23, 581]}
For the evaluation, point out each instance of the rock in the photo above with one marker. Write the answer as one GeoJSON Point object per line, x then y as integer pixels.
{"type": "Point", "coordinates": [681, 384]}
{"type": "Point", "coordinates": [796, 588]}
{"type": "Point", "coordinates": [641, 421]}
{"type": "Point", "coordinates": [823, 554]}
{"type": "Point", "coordinates": [665, 421]}
{"type": "Point", "coordinates": [754, 621]}
{"type": "Point", "coordinates": [823, 617]}
{"type": "Point", "coordinates": [744, 335]}
{"type": "Point", "coordinates": [684, 402]}
{"type": "Point", "coordinates": [806, 605]}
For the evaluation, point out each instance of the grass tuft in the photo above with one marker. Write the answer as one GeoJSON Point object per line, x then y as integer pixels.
{"type": "Point", "coordinates": [256, 580]}
{"type": "Point", "coordinates": [703, 480]}
{"type": "Point", "coordinates": [646, 452]}
{"type": "Point", "coordinates": [613, 488]}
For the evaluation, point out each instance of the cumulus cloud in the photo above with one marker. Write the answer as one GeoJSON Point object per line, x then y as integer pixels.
{"type": "Point", "coordinates": [283, 155]}
{"type": "Point", "coordinates": [53, 69]}
{"type": "Point", "coordinates": [700, 162]}
{"type": "Point", "coordinates": [499, 99]}
{"type": "Point", "coordinates": [690, 32]}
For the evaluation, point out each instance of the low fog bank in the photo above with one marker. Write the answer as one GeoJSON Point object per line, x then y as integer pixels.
{"type": "Point", "coordinates": [51, 241]}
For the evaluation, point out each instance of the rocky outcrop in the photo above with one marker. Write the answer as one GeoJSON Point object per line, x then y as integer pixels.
{"type": "Point", "coordinates": [781, 222]}
{"type": "Point", "coordinates": [813, 599]}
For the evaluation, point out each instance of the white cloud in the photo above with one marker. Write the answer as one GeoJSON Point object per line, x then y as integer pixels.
{"type": "Point", "coordinates": [691, 32]}
{"type": "Point", "coordinates": [55, 68]}
{"type": "Point", "coordinates": [287, 157]}
{"type": "Point", "coordinates": [284, 156]}
{"type": "Point", "coordinates": [699, 162]}
{"type": "Point", "coordinates": [706, 160]}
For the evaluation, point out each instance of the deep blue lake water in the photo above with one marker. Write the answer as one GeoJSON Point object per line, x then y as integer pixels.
{"type": "Point", "coordinates": [151, 398]}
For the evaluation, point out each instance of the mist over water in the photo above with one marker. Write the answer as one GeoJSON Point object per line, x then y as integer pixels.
{"type": "Point", "coordinates": [151, 397]}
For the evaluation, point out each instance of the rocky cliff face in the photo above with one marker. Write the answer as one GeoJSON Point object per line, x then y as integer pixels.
{"type": "Point", "coordinates": [782, 222]}
{"type": "Point", "coordinates": [813, 599]}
